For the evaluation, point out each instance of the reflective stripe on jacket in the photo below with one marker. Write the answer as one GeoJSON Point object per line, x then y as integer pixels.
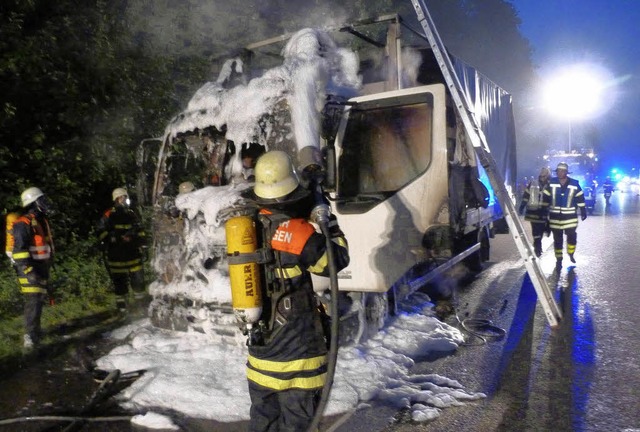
{"type": "Point", "coordinates": [32, 251]}
{"type": "Point", "coordinates": [562, 202]}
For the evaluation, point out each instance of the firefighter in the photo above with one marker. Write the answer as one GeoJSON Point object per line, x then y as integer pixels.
{"type": "Point", "coordinates": [562, 199]}
{"type": "Point", "coordinates": [121, 238]}
{"type": "Point", "coordinates": [33, 256]}
{"type": "Point", "coordinates": [183, 188]}
{"type": "Point", "coordinates": [531, 208]}
{"type": "Point", "coordinates": [607, 188]}
{"type": "Point", "coordinates": [286, 368]}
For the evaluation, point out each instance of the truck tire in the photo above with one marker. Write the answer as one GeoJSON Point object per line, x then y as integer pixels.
{"type": "Point", "coordinates": [474, 261]}
{"type": "Point", "coordinates": [377, 310]}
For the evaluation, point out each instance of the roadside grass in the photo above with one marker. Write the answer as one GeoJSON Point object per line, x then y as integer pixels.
{"type": "Point", "coordinates": [82, 299]}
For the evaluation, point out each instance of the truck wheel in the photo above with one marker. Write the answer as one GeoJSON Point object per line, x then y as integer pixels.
{"type": "Point", "coordinates": [376, 312]}
{"type": "Point", "coordinates": [475, 260]}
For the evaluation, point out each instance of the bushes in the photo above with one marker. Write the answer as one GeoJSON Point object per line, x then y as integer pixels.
{"type": "Point", "coordinates": [10, 298]}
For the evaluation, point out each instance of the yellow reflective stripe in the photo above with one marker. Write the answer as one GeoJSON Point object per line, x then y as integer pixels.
{"type": "Point", "coordinates": [123, 226]}
{"type": "Point", "coordinates": [125, 270]}
{"type": "Point", "coordinates": [288, 366]}
{"type": "Point", "coordinates": [280, 384]}
{"type": "Point", "coordinates": [20, 255]}
{"type": "Point", "coordinates": [321, 264]}
{"type": "Point", "coordinates": [123, 264]}
{"type": "Point", "coordinates": [341, 242]}
{"type": "Point", "coordinates": [33, 290]}
{"type": "Point", "coordinates": [288, 273]}
{"type": "Point", "coordinates": [103, 235]}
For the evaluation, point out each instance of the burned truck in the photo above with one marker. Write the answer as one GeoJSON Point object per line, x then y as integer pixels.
{"type": "Point", "coordinates": [400, 171]}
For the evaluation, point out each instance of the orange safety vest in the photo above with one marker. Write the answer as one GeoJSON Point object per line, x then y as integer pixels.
{"type": "Point", "coordinates": [41, 247]}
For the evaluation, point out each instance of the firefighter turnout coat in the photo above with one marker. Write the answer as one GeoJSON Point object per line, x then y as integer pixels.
{"type": "Point", "coordinates": [293, 355]}
{"type": "Point", "coordinates": [32, 251]}
{"type": "Point", "coordinates": [532, 200]}
{"type": "Point", "coordinates": [121, 234]}
{"type": "Point", "coordinates": [563, 203]}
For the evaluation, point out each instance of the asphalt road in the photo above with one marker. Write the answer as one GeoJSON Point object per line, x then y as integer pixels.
{"type": "Point", "coordinates": [583, 375]}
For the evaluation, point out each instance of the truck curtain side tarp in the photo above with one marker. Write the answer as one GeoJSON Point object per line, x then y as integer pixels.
{"type": "Point", "coordinates": [494, 113]}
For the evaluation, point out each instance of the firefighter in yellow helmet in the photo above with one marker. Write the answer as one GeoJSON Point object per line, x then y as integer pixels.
{"type": "Point", "coordinates": [531, 207]}
{"type": "Point", "coordinates": [286, 368]}
{"type": "Point", "coordinates": [122, 237]}
{"type": "Point", "coordinates": [562, 199]}
{"type": "Point", "coordinates": [33, 255]}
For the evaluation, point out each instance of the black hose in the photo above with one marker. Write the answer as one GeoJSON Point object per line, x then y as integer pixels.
{"type": "Point", "coordinates": [101, 393]}
{"type": "Point", "coordinates": [54, 418]}
{"type": "Point", "coordinates": [481, 328]}
{"type": "Point", "coordinates": [335, 327]}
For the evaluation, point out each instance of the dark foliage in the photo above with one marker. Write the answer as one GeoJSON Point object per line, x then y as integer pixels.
{"type": "Point", "coordinates": [83, 83]}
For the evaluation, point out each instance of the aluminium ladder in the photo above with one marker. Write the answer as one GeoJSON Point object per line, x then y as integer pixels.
{"type": "Point", "coordinates": [545, 295]}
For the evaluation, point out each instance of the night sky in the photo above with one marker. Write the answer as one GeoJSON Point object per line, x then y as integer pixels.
{"type": "Point", "coordinates": [605, 33]}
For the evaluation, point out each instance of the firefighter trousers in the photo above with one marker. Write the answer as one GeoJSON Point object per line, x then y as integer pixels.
{"type": "Point", "coordinates": [537, 231]}
{"type": "Point", "coordinates": [558, 241]}
{"type": "Point", "coordinates": [33, 304]}
{"type": "Point", "coordinates": [122, 279]}
{"type": "Point", "coordinates": [282, 411]}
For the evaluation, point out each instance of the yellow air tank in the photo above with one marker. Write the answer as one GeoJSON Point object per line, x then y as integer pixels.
{"type": "Point", "coordinates": [10, 219]}
{"type": "Point", "coordinates": [244, 274]}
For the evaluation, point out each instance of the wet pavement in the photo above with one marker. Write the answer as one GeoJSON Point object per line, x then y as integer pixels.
{"type": "Point", "coordinates": [582, 376]}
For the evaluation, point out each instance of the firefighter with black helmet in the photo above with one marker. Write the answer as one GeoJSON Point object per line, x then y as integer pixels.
{"type": "Point", "coordinates": [33, 256]}
{"type": "Point", "coordinates": [122, 237]}
{"type": "Point", "coordinates": [562, 199]}
{"type": "Point", "coordinates": [286, 368]}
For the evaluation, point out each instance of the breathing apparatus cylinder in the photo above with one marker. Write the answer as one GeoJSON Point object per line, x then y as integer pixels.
{"type": "Point", "coordinates": [244, 271]}
{"type": "Point", "coordinates": [9, 242]}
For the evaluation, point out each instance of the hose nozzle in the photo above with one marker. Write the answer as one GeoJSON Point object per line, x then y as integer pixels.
{"type": "Point", "coordinates": [320, 214]}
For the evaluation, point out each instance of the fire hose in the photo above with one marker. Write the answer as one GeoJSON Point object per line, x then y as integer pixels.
{"type": "Point", "coordinates": [322, 218]}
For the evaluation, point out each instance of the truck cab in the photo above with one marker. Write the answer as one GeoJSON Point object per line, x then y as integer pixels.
{"type": "Point", "coordinates": [400, 172]}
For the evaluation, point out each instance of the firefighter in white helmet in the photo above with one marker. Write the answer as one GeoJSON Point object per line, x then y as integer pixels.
{"type": "Point", "coordinates": [531, 207]}
{"type": "Point", "coordinates": [33, 255]}
{"type": "Point", "coordinates": [185, 187]}
{"type": "Point", "coordinates": [562, 199]}
{"type": "Point", "coordinates": [122, 238]}
{"type": "Point", "coordinates": [286, 368]}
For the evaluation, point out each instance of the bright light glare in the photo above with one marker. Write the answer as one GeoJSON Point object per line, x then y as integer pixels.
{"type": "Point", "coordinates": [578, 92]}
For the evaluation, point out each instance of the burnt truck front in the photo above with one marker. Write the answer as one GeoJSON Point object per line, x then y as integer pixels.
{"type": "Point", "coordinates": [402, 177]}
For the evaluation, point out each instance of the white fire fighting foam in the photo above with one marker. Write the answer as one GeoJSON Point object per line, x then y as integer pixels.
{"type": "Point", "coordinates": [203, 375]}
{"type": "Point", "coordinates": [313, 68]}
